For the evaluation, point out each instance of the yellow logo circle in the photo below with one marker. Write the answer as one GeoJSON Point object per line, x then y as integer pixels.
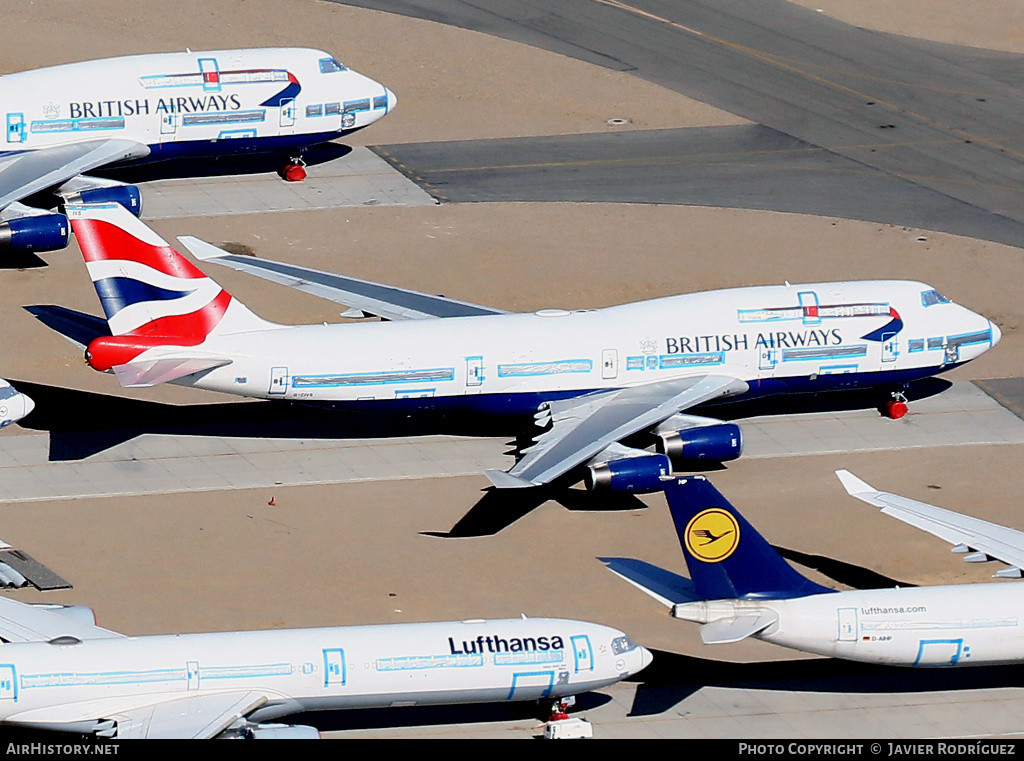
{"type": "Point", "coordinates": [712, 535]}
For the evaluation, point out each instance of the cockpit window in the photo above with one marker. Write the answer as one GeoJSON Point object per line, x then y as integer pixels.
{"type": "Point", "coordinates": [931, 298]}
{"type": "Point", "coordinates": [330, 65]}
{"type": "Point", "coordinates": [622, 645]}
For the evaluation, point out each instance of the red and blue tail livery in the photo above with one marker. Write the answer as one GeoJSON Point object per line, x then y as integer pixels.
{"type": "Point", "coordinates": [153, 297]}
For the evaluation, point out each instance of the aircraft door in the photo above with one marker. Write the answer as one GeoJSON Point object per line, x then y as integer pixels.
{"type": "Point", "coordinates": [528, 685]}
{"type": "Point", "coordinates": [582, 653]}
{"type": "Point", "coordinates": [474, 371]}
{"type": "Point", "coordinates": [8, 683]}
{"type": "Point", "coordinates": [211, 74]}
{"type": "Point", "coordinates": [192, 667]}
{"type": "Point", "coordinates": [15, 128]}
{"type": "Point", "coordinates": [767, 357]}
{"type": "Point", "coordinates": [168, 125]}
{"type": "Point", "coordinates": [890, 347]}
{"type": "Point", "coordinates": [940, 652]}
{"type": "Point", "coordinates": [334, 667]}
{"type": "Point", "coordinates": [847, 625]}
{"type": "Point", "coordinates": [287, 118]}
{"type": "Point", "coordinates": [278, 381]}
{"type": "Point", "coordinates": [610, 364]}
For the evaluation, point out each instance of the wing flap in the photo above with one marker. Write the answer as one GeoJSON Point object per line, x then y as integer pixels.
{"type": "Point", "coordinates": [582, 427]}
{"type": "Point", "coordinates": [999, 542]}
{"type": "Point", "coordinates": [386, 301]}
{"type": "Point", "coordinates": [23, 174]}
{"type": "Point", "coordinates": [195, 717]}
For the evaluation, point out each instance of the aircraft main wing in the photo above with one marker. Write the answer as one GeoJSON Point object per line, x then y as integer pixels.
{"type": "Point", "coordinates": [20, 622]}
{"type": "Point", "coordinates": [22, 174]}
{"type": "Point", "coordinates": [967, 534]}
{"type": "Point", "coordinates": [583, 426]}
{"type": "Point", "coordinates": [193, 717]}
{"type": "Point", "coordinates": [385, 301]}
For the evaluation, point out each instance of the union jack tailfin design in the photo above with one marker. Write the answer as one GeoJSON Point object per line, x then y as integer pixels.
{"type": "Point", "coordinates": [153, 296]}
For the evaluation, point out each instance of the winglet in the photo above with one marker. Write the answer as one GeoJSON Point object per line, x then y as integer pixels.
{"type": "Point", "coordinates": [503, 480]}
{"type": "Point", "coordinates": [200, 249]}
{"type": "Point", "coordinates": [853, 485]}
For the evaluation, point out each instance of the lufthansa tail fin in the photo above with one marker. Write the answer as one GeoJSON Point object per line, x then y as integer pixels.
{"type": "Point", "coordinates": [146, 287]}
{"type": "Point", "coordinates": [726, 556]}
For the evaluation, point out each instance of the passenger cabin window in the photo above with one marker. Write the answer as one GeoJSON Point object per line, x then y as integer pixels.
{"type": "Point", "coordinates": [330, 65]}
{"type": "Point", "coordinates": [931, 298]}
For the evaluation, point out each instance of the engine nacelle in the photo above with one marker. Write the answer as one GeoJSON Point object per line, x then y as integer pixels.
{"type": "Point", "coordinates": [129, 196]}
{"type": "Point", "coordinates": [639, 475]}
{"type": "Point", "coordinates": [44, 232]}
{"type": "Point", "coordinates": [280, 732]}
{"type": "Point", "coordinates": [708, 443]}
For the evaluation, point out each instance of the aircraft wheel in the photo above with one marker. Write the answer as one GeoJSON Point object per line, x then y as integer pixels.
{"type": "Point", "coordinates": [895, 409]}
{"type": "Point", "coordinates": [293, 173]}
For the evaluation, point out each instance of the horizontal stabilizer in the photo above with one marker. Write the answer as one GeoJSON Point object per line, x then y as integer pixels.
{"type": "Point", "coordinates": [157, 371]}
{"type": "Point", "coordinates": [79, 328]}
{"type": "Point", "coordinates": [726, 630]}
{"type": "Point", "coordinates": [664, 586]}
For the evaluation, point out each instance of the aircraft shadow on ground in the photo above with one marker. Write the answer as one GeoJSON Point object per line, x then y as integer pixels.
{"type": "Point", "coordinates": [427, 716]}
{"type": "Point", "coordinates": [672, 677]}
{"type": "Point", "coordinates": [84, 423]}
{"type": "Point", "coordinates": [258, 163]}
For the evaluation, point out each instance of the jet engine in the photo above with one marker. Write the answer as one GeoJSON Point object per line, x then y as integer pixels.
{"type": "Point", "coordinates": [688, 440]}
{"type": "Point", "coordinates": [40, 232]}
{"type": "Point", "coordinates": [129, 196]}
{"type": "Point", "coordinates": [640, 475]}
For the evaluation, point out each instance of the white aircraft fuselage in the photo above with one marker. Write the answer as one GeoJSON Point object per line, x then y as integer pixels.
{"type": "Point", "coordinates": [962, 625]}
{"type": "Point", "coordinates": [776, 339]}
{"type": "Point", "coordinates": [76, 685]}
{"type": "Point", "coordinates": [191, 104]}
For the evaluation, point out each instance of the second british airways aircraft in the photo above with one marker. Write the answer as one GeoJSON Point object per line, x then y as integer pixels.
{"type": "Point", "coordinates": [589, 379]}
{"type": "Point", "coordinates": [65, 121]}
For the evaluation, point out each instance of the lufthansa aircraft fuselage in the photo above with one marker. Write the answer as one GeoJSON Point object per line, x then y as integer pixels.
{"type": "Point", "coordinates": [104, 685]}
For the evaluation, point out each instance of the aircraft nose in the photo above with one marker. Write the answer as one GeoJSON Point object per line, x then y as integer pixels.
{"type": "Point", "coordinates": [392, 100]}
{"type": "Point", "coordinates": [645, 659]}
{"type": "Point", "coordinates": [29, 405]}
{"type": "Point", "coordinates": [996, 332]}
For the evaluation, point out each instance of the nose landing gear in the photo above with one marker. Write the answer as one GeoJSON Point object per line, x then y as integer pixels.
{"type": "Point", "coordinates": [294, 170]}
{"type": "Point", "coordinates": [896, 407]}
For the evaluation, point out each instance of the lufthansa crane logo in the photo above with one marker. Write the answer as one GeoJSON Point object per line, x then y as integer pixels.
{"type": "Point", "coordinates": [712, 535]}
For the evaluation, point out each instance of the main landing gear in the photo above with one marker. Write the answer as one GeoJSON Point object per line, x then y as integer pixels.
{"type": "Point", "coordinates": [896, 407]}
{"type": "Point", "coordinates": [294, 170]}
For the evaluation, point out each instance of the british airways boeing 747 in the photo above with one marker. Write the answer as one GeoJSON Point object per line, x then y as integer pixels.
{"type": "Point", "coordinates": [588, 379]}
{"type": "Point", "coordinates": [65, 121]}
